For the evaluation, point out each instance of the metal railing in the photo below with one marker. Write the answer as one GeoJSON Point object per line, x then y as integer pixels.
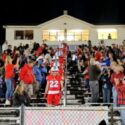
{"type": "Point", "coordinates": [10, 115]}
{"type": "Point", "coordinates": [71, 115]}
{"type": "Point", "coordinates": [65, 84]}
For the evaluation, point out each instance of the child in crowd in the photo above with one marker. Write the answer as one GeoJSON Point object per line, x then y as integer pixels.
{"type": "Point", "coordinates": [20, 96]}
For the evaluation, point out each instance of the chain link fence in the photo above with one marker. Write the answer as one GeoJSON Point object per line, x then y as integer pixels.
{"type": "Point", "coordinates": [65, 115]}
{"type": "Point", "coordinates": [82, 115]}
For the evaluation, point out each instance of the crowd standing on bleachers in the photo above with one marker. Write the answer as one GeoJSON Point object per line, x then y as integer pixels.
{"type": "Point", "coordinates": [29, 69]}
{"type": "Point", "coordinates": [105, 74]}
{"type": "Point", "coordinates": [32, 67]}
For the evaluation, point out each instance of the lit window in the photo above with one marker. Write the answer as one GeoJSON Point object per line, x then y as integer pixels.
{"type": "Point", "coordinates": [107, 34]}
{"type": "Point", "coordinates": [60, 38]}
{"type": "Point", "coordinates": [70, 38]}
{"type": "Point", "coordinates": [72, 35]}
{"type": "Point", "coordinates": [85, 35]}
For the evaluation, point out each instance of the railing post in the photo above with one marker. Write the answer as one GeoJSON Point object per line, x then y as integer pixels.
{"type": "Point", "coordinates": [112, 120]}
{"type": "Point", "coordinates": [65, 86]}
{"type": "Point", "coordinates": [22, 115]}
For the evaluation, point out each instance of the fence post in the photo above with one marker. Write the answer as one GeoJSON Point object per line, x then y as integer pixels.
{"type": "Point", "coordinates": [65, 86]}
{"type": "Point", "coordinates": [22, 114]}
{"type": "Point", "coordinates": [112, 115]}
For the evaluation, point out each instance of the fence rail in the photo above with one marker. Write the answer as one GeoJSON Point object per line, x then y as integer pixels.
{"type": "Point", "coordinates": [62, 115]}
{"type": "Point", "coordinates": [10, 116]}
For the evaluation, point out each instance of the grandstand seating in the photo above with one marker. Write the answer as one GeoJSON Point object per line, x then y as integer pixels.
{"type": "Point", "coordinates": [76, 95]}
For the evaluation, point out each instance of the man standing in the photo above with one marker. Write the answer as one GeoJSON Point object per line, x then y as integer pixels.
{"type": "Point", "coordinates": [27, 77]}
{"type": "Point", "coordinates": [94, 72]}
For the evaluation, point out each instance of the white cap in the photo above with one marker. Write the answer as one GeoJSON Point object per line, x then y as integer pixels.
{"type": "Point", "coordinates": [56, 64]}
{"type": "Point", "coordinates": [40, 57]}
{"type": "Point", "coordinates": [97, 63]}
{"type": "Point", "coordinates": [55, 58]}
{"type": "Point", "coordinates": [54, 69]}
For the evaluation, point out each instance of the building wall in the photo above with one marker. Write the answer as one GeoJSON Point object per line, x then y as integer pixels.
{"type": "Point", "coordinates": [64, 23]}
{"type": "Point", "coordinates": [121, 34]}
{"type": "Point", "coordinates": [93, 36]}
{"type": "Point", "coordinates": [11, 40]}
{"type": "Point", "coordinates": [38, 35]}
{"type": "Point", "coordinates": [10, 36]}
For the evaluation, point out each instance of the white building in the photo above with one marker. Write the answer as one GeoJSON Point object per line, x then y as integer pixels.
{"type": "Point", "coordinates": [67, 28]}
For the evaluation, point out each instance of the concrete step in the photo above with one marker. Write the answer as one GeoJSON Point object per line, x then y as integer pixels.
{"type": "Point", "coordinates": [70, 96]}
{"type": "Point", "coordinates": [75, 92]}
{"type": "Point", "coordinates": [76, 89]}
{"type": "Point", "coordinates": [73, 101]}
{"type": "Point", "coordinates": [75, 85]}
{"type": "Point", "coordinates": [87, 93]}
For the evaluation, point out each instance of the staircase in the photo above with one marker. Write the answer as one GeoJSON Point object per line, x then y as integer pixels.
{"type": "Point", "coordinates": [10, 116]}
{"type": "Point", "coordinates": [75, 87]}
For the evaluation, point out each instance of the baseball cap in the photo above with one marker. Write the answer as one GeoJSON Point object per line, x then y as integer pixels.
{"type": "Point", "coordinates": [54, 69]}
{"type": "Point", "coordinates": [55, 58]}
{"type": "Point", "coordinates": [40, 57]}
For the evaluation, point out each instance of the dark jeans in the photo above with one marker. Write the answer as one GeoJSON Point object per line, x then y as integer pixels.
{"type": "Point", "coordinates": [87, 84]}
{"type": "Point", "coordinates": [106, 91]}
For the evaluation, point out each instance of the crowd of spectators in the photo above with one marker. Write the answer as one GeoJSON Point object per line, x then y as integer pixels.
{"type": "Point", "coordinates": [102, 68]}
{"type": "Point", "coordinates": [25, 69]}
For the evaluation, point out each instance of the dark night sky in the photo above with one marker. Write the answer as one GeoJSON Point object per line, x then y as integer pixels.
{"type": "Point", "coordinates": [38, 11]}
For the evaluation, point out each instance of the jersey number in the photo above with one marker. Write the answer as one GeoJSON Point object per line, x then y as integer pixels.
{"type": "Point", "coordinates": [53, 84]}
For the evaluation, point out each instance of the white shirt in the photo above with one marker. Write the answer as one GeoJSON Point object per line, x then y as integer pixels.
{"type": "Point", "coordinates": [4, 47]}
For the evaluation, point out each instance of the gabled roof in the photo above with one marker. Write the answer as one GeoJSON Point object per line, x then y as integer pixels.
{"type": "Point", "coordinates": [68, 17]}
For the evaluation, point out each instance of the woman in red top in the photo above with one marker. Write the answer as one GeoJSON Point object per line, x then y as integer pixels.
{"type": "Point", "coordinates": [120, 87]}
{"type": "Point", "coordinates": [9, 75]}
{"type": "Point", "coordinates": [118, 74]}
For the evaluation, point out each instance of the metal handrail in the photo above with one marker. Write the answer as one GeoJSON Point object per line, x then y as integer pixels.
{"type": "Point", "coordinates": [18, 119]}
{"type": "Point", "coordinates": [65, 86]}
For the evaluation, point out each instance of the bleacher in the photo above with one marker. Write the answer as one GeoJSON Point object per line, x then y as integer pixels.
{"type": "Point", "coordinates": [10, 116]}
{"type": "Point", "coordinates": [76, 95]}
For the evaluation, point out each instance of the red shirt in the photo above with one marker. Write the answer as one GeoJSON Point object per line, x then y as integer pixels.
{"type": "Point", "coordinates": [98, 56]}
{"type": "Point", "coordinates": [121, 94]}
{"type": "Point", "coordinates": [26, 74]}
{"type": "Point", "coordinates": [61, 71]}
{"type": "Point", "coordinates": [4, 57]}
{"type": "Point", "coordinates": [86, 76]}
{"type": "Point", "coordinates": [61, 60]}
{"type": "Point", "coordinates": [79, 51]}
{"type": "Point", "coordinates": [54, 84]}
{"type": "Point", "coordinates": [115, 75]}
{"type": "Point", "coordinates": [38, 51]}
{"type": "Point", "coordinates": [9, 71]}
